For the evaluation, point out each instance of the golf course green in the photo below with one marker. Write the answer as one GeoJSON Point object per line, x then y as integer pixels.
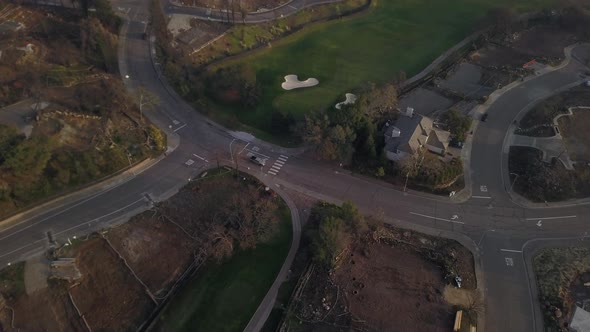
{"type": "Point", "coordinates": [374, 46]}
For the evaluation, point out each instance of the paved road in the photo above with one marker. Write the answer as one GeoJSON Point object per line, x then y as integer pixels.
{"type": "Point", "coordinates": [496, 226]}
{"type": "Point", "coordinates": [220, 15]}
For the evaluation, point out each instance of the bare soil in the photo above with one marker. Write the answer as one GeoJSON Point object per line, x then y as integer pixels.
{"type": "Point", "coordinates": [108, 294]}
{"type": "Point", "coordinates": [45, 310]}
{"type": "Point", "coordinates": [393, 281]}
{"type": "Point", "coordinates": [156, 250]}
{"type": "Point", "coordinates": [497, 56]}
{"type": "Point", "coordinates": [544, 41]}
{"type": "Point", "coordinates": [397, 294]}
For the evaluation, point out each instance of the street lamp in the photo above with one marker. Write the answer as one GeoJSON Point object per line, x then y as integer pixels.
{"type": "Point", "coordinates": [514, 181]}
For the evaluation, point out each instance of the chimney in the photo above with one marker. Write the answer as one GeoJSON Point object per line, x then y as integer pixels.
{"type": "Point", "coordinates": [409, 112]}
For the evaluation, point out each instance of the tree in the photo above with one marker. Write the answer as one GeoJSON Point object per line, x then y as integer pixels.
{"type": "Point", "coordinates": [457, 124]}
{"type": "Point", "coordinates": [29, 158]}
{"type": "Point", "coordinates": [243, 11]}
{"type": "Point", "coordinates": [9, 138]}
{"type": "Point", "coordinates": [380, 172]}
{"type": "Point", "coordinates": [329, 241]}
{"type": "Point", "coordinates": [159, 140]}
{"type": "Point", "coordinates": [379, 101]}
{"type": "Point", "coordinates": [145, 98]}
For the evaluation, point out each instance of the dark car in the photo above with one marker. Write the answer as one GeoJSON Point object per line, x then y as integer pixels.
{"type": "Point", "coordinates": [484, 117]}
{"type": "Point", "coordinates": [456, 144]}
{"type": "Point", "coordinates": [257, 160]}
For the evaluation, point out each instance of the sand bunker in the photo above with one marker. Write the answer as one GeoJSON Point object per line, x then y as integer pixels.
{"type": "Point", "coordinates": [350, 99]}
{"type": "Point", "coordinates": [292, 82]}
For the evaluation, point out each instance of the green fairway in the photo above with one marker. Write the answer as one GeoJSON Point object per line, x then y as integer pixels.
{"type": "Point", "coordinates": [393, 36]}
{"type": "Point", "coordinates": [225, 296]}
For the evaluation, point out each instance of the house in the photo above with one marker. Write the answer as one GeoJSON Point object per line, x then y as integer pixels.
{"type": "Point", "coordinates": [411, 133]}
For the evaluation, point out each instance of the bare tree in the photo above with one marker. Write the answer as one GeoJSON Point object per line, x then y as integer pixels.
{"type": "Point", "coordinates": [145, 98]}
{"type": "Point", "coordinates": [243, 11]}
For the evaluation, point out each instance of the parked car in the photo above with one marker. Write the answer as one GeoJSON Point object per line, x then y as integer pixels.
{"type": "Point", "coordinates": [255, 159]}
{"type": "Point", "coordinates": [456, 144]}
{"type": "Point", "coordinates": [484, 117]}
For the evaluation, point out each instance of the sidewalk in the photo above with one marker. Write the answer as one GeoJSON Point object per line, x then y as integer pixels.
{"type": "Point", "coordinates": [101, 185]}
{"type": "Point", "coordinates": [93, 189]}
{"type": "Point", "coordinates": [479, 110]}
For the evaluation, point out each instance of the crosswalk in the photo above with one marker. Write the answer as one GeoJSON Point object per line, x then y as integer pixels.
{"type": "Point", "coordinates": [278, 164]}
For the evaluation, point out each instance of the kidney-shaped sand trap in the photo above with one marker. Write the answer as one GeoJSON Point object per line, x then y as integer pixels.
{"type": "Point", "coordinates": [292, 82]}
{"type": "Point", "coordinates": [350, 99]}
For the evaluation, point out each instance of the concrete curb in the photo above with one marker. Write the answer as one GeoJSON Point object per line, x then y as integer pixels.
{"type": "Point", "coordinates": [252, 20]}
{"type": "Point", "coordinates": [514, 197]}
{"type": "Point", "coordinates": [86, 193]}
{"type": "Point", "coordinates": [463, 239]}
{"type": "Point", "coordinates": [112, 181]}
{"type": "Point", "coordinates": [528, 255]}
{"type": "Point", "coordinates": [264, 309]}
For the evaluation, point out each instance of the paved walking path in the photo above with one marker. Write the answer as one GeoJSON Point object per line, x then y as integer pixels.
{"type": "Point", "coordinates": [221, 15]}
{"type": "Point", "coordinates": [552, 147]}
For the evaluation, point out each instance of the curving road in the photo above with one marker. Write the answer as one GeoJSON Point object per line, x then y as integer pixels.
{"type": "Point", "coordinates": [221, 15]}
{"type": "Point", "coordinates": [496, 228]}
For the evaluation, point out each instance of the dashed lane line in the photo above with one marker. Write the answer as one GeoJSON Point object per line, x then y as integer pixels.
{"type": "Point", "coordinates": [550, 218]}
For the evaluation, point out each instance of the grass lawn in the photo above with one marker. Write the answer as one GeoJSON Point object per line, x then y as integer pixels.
{"type": "Point", "coordinates": [224, 296]}
{"type": "Point", "coordinates": [393, 36]}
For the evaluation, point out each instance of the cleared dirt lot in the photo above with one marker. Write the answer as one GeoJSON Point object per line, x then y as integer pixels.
{"type": "Point", "coordinates": [394, 281]}
{"type": "Point", "coordinates": [544, 41]}
{"type": "Point", "coordinates": [394, 290]}
{"type": "Point", "coordinates": [145, 240]}
{"type": "Point", "coordinates": [108, 294]}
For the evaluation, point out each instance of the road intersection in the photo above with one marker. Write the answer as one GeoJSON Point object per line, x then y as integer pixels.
{"type": "Point", "coordinates": [496, 227]}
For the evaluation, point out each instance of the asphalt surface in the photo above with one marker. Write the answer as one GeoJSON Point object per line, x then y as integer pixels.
{"type": "Point", "coordinates": [498, 227]}
{"type": "Point", "coordinates": [220, 15]}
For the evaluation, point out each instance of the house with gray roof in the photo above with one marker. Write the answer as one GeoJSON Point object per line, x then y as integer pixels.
{"type": "Point", "coordinates": [412, 132]}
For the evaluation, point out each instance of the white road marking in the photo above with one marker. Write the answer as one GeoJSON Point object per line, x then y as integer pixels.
{"type": "Point", "coordinates": [293, 7]}
{"type": "Point", "coordinates": [540, 223]}
{"type": "Point", "coordinates": [189, 162]}
{"type": "Point", "coordinates": [15, 250]}
{"type": "Point", "coordinates": [271, 172]}
{"type": "Point", "coordinates": [483, 189]}
{"type": "Point", "coordinates": [97, 219]}
{"type": "Point", "coordinates": [177, 129]}
{"type": "Point", "coordinates": [255, 148]}
{"type": "Point", "coordinates": [509, 261]}
{"type": "Point", "coordinates": [481, 197]}
{"type": "Point", "coordinates": [176, 122]}
{"type": "Point", "coordinates": [276, 169]}
{"type": "Point", "coordinates": [436, 218]}
{"type": "Point", "coordinates": [511, 250]}
{"type": "Point", "coordinates": [88, 222]}
{"type": "Point", "coordinates": [244, 148]}
{"type": "Point", "coordinates": [280, 162]}
{"type": "Point", "coordinates": [205, 160]}
{"type": "Point", "coordinates": [281, 158]}
{"type": "Point", "coordinates": [550, 218]}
